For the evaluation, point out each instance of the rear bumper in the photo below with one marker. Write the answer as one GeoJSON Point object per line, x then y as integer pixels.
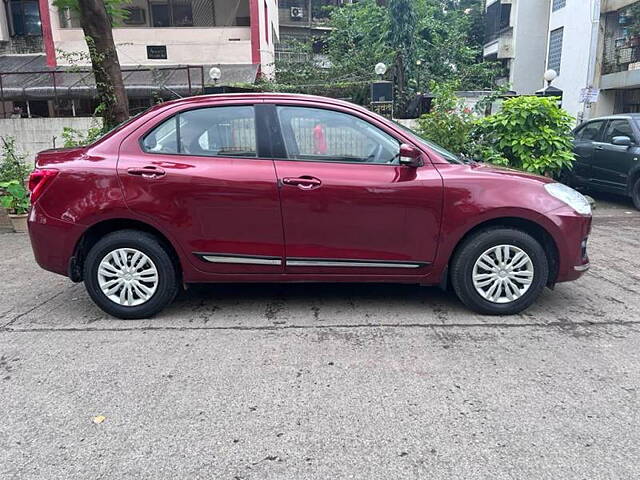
{"type": "Point", "coordinates": [53, 241]}
{"type": "Point", "coordinates": [571, 240]}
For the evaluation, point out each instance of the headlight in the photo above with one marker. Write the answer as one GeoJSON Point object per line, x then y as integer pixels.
{"type": "Point", "coordinates": [568, 195]}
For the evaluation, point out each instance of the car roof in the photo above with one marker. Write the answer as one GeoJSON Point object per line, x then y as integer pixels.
{"type": "Point", "coordinates": [274, 96]}
{"type": "Point", "coordinates": [620, 116]}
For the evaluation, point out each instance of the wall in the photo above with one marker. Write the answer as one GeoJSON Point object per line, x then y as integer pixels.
{"type": "Point", "coordinates": [185, 46]}
{"type": "Point", "coordinates": [613, 5]}
{"type": "Point", "coordinates": [268, 17]}
{"type": "Point", "coordinates": [35, 134]}
{"type": "Point", "coordinates": [575, 17]}
{"type": "Point", "coordinates": [529, 44]}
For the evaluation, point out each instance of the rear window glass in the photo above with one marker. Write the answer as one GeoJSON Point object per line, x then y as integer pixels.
{"type": "Point", "coordinates": [210, 132]}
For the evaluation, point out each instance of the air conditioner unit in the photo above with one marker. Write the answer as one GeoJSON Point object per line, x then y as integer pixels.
{"type": "Point", "coordinates": [297, 12]}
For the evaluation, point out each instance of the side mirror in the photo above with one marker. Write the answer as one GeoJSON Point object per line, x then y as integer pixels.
{"type": "Point", "coordinates": [622, 141]}
{"type": "Point", "coordinates": [410, 156]}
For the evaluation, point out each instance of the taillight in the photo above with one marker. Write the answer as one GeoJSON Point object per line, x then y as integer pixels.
{"type": "Point", "coordinates": [38, 180]}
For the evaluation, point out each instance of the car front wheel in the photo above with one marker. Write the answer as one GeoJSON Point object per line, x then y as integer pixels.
{"type": "Point", "coordinates": [635, 194]}
{"type": "Point", "coordinates": [499, 271]}
{"type": "Point", "coordinates": [129, 274]}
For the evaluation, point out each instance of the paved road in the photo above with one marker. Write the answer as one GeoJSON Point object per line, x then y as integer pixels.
{"type": "Point", "coordinates": [313, 381]}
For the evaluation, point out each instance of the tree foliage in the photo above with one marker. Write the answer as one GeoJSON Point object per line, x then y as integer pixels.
{"type": "Point", "coordinates": [445, 36]}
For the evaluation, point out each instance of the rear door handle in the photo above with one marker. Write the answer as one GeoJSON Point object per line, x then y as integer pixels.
{"type": "Point", "coordinates": [306, 182]}
{"type": "Point", "coordinates": [147, 172]}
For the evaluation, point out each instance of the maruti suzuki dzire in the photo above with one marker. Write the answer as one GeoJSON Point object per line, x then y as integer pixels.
{"type": "Point", "coordinates": [294, 188]}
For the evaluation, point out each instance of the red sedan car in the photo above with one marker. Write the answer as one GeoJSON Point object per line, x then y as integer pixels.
{"type": "Point", "coordinates": [294, 188]}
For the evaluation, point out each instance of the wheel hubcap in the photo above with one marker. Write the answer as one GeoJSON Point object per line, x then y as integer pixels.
{"type": "Point", "coordinates": [502, 274]}
{"type": "Point", "coordinates": [127, 277]}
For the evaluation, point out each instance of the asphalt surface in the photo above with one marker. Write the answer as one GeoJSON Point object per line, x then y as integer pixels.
{"type": "Point", "coordinates": [325, 381]}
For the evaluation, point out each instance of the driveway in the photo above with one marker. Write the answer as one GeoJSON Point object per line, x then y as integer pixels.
{"type": "Point", "coordinates": [325, 381]}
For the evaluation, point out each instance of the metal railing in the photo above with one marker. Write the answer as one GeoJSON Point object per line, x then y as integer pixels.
{"type": "Point", "coordinates": [74, 84]}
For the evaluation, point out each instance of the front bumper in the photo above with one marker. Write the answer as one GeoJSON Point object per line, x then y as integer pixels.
{"type": "Point", "coordinates": [572, 233]}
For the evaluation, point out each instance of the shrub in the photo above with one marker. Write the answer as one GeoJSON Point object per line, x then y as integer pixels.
{"type": "Point", "coordinates": [12, 164]}
{"type": "Point", "coordinates": [16, 198]}
{"type": "Point", "coordinates": [449, 124]}
{"type": "Point", "coordinates": [73, 137]}
{"type": "Point", "coordinates": [529, 133]}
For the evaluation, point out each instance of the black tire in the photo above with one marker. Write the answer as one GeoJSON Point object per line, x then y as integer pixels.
{"type": "Point", "coordinates": [473, 247]}
{"type": "Point", "coordinates": [167, 284]}
{"type": "Point", "coordinates": [635, 194]}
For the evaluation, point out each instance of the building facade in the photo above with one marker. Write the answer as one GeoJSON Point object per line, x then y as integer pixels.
{"type": "Point", "coordinates": [593, 45]}
{"type": "Point", "coordinates": [163, 46]}
{"type": "Point", "coordinates": [516, 36]}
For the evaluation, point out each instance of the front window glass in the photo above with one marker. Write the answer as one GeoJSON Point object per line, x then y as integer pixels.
{"type": "Point", "coordinates": [209, 132]}
{"type": "Point", "coordinates": [443, 152]}
{"type": "Point", "coordinates": [313, 134]}
{"type": "Point", "coordinates": [590, 132]}
{"type": "Point", "coordinates": [618, 128]}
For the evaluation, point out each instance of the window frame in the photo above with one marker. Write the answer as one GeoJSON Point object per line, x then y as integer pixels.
{"type": "Point", "coordinates": [280, 151]}
{"type": "Point", "coordinates": [558, 5]}
{"type": "Point", "coordinates": [261, 148]}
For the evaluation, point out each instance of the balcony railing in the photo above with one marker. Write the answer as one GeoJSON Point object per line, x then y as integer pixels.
{"type": "Point", "coordinates": [621, 43]}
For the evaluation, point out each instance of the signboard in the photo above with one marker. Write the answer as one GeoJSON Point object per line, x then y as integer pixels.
{"type": "Point", "coordinates": [589, 95]}
{"type": "Point", "coordinates": [157, 52]}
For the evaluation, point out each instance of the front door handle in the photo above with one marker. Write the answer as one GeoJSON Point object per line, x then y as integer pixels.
{"type": "Point", "coordinates": [599, 147]}
{"type": "Point", "coordinates": [147, 172]}
{"type": "Point", "coordinates": [306, 182]}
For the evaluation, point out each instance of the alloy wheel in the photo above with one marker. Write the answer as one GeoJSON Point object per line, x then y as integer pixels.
{"type": "Point", "coordinates": [127, 277]}
{"type": "Point", "coordinates": [503, 274]}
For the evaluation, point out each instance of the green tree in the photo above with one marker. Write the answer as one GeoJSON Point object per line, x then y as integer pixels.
{"type": "Point", "coordinates": [401, 40]}
{"type": "Point", "coordinates": [95, 18]}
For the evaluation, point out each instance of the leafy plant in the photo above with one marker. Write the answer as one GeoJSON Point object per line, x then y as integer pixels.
{"type": "Point", "coordinates": [529, 133]}
{"type": "Point", "coordinates": [449, 124]}
{"type": "Point", "coordinates": [12, 164]}
{"type": "Point", "coordinates": [16, 198]}
{"type": "Point", "coordinates": [72, 137]}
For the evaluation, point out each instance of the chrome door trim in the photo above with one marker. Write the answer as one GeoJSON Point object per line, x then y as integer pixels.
{"type": "Point", "coordinates": [238, 259]}
{"type": "Point", "coordinates": [347, 263]}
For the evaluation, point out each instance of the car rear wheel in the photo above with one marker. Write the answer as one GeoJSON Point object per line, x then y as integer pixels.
{"type": "Point", "coordinates": [635, 194]}
{"type": "Point", "coordinates": [129, 274]}
{"type": "Point", "coordinates": [499, 271]}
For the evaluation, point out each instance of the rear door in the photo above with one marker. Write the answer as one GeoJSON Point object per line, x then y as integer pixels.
{"type": "Point", "coordinates": [612, 163]}
{"type": "Point", "coordinates": [348, 206]}
{"type": "Point", "coordinates": [587, 138]}
{"type": "Point", "coordinates": [202, 176]}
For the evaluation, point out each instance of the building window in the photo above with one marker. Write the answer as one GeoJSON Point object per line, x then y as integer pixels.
{"type": "Point", "coordinates": [497, 19]}
{"type": "Point", "coordinates": [558, 4]}
{"type": "Point", "coordinates": [25, 17]}
{"type": "Point", "coordinates": [171, 13]}
{"type": "Point", "coordinates": [555, 50]}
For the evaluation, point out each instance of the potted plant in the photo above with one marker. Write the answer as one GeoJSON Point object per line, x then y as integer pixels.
{"type": "Point", "coordinates": [15, 199]}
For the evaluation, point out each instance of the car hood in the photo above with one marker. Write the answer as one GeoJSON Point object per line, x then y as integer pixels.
{"type": "Point", "coordinates": [487, 169]}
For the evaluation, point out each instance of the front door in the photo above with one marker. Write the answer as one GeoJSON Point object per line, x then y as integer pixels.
{"type": "Point", "coordinates": [200, 176]}
{"type": "Point", "coordinates": [587, 138]}
{"type": "Point", "coordinates": [348, 206]}
{"type": "Point", "coordinates": [612, 163]}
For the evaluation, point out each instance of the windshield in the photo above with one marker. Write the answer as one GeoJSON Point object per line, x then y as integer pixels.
{"type": "Point", "coordinates": [444, 153]}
